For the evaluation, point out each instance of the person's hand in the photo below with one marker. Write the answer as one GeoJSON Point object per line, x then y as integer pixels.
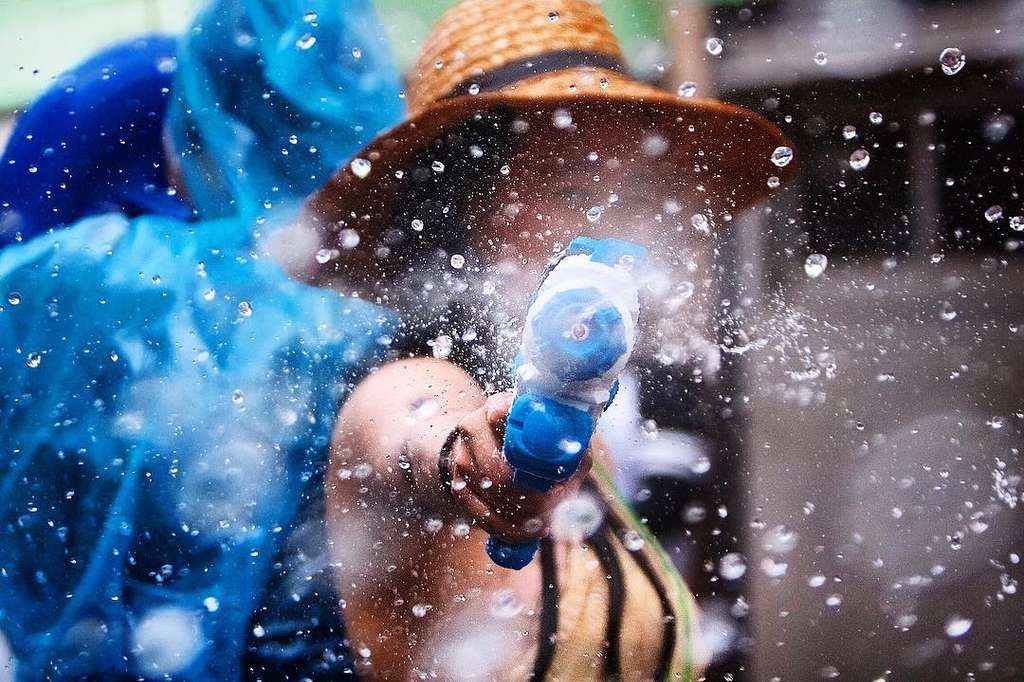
{"type": "Point", "coordinates": [482, 479]}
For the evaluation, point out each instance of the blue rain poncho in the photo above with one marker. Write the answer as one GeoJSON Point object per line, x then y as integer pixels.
{"type": "Point", "coordinates": [169, 392]}
{"type": "Point", "coordinates": [275, 97]}
{"type": "Point", "coordinates": [92, 144]}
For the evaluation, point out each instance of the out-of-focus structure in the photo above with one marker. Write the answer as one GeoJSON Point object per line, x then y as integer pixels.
{"type": "Point", "coordinates": [883, 429]}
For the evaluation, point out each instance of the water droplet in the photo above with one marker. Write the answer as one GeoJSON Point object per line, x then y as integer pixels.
{"type": "Point", "coordinates": [349, 238]}
{"type": "Point", "coordinates": [875, 117]}
{"type": "Point", "coordinates": [957, 625]}
{"type": "Point", "coordinates": [773, 182]}
{"type": "Point", "coordinates": [650, 429]}
{"type": "Point", "coordinates": [458, 261]}
{"type": "Point", "coordinates": [310, 17]}
{"type": "Point", "coordinates": [506, 604]}
{"type": "Point", "coordinates": [772, 568]}
{"type": "Point", "coordinates": [993, 213]}
{"type": "Point", "coordinates": [782, 156]}
{"type": "Point", "coordinates": [416, 225]}
{"type": "Point", "coordinates": [820, 58]}
{"type": "Point", "coordinates": [460, 529]}
{"type": "Point", "coordinates": [437, 166]}
{"type": "Point", "coordinates": [849, 132]}
{"type": "Point", "coordinates": [997, 127]}
{"type": "Point", "coordinates": [324, 255]}
{"type": "Point", "coordinates": [860, 159]}
{"type": "Point", "coordinates": [306, 41]}
{"type": "Point", "coordinates": [594, 213]}
{"type": "Point", "coordinates": [360, 167]}
{"type": "Point", "coordinates": [211, 604]}
{"type": "Point", "coordinates": [420, 610]}
{"type": "Point", "coordinates": [713, 46]}
{"type": "Point", "coordinates": [654, 145]}
{"type": "Point", "coordinates": [561, 119]}
{"type": "Point", "coordinates": [780, 540]}
{"type": "Point", "coordinates": [357, 53]}
{"type": "Point", "coordinates": [474, 89]}
{"type": "Point", "coordinates": [701, 464]}
{"type": "Point", "coordinates": [732, 566]}
{"type": "Point", "coordinates": [816, 581]}
{"type": "Point", "coordinates": [952, 60]}
{"type": "Point", "coordinates": [433, 524]}
{"type": "Point", "coordinates": [1007, 584]}
{"type": "Point", "coordinates": [167, 65]}
{"type": "Point", "coordinates": [815, 264]}
{"type": "Point", "coordinates": [834, 600]}
{"type": "Point", "coordinates": [14, 298]}
{"type": "Point", "coordinates": [687, 89]}
{"type": "Point", "coordinates": [571, 446]}
{"type": "Point", "coordinates": [237, 397]}
{"type": "Point", "coordinates": [1017, 223]}
{"type": "Point", "coordinates": [553, 16]}
{"type": "Point", "coordinates": [700, 223]}
{"type": "Point", "coordinates": [245, 309]}
{"type": "Point", "coordinates": [441, 346]}
{"type": "Point", "coordinates": [577, 517]}
{"type": "Point", "coordinates": [33, 360]}
{"type": "Point", "coordinates": [947, 312]}
{"type": "Point", "coordinates": [166, 640]}
{"type": "Point", "coordinates": [632, 540]}
{"type": "Point", "coordinates": [694, 512]}
{"type": "Point", "coordinates": [682, 293]}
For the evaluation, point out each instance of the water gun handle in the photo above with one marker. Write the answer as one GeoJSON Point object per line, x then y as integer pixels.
{"type": "Point", "coordinates": [544, 443]}
{"type": "Point", "coordinates": [579, 333]}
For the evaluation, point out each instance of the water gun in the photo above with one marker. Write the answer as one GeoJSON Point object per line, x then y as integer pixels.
{"type": "Point", "coordinates": [577, 338]}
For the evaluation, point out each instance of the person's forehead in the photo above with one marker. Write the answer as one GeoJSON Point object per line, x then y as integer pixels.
{"type": "Point", "coordinates": [559, 166]}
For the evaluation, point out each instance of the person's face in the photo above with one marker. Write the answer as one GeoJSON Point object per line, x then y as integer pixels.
{"type": "Point", "coordinates": [562, 184]}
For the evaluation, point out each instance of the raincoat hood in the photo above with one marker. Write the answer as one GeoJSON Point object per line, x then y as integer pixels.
{"type": "Point", "coordinates": [270, 98]}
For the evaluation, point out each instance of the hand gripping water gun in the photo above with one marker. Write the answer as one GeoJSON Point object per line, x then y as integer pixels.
{"type": "Point", "coordinates": [578, 335]}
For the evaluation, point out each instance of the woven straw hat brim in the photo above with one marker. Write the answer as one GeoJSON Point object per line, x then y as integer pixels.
{"type": "Point", "coordinates": [723, 147]}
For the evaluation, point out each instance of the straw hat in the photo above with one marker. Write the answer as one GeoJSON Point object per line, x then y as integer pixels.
{"type": "Point", "coordinates": [537, 58]}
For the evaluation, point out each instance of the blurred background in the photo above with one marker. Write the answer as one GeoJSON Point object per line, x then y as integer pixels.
{"type": "Point", "coordinates": [857, 509]}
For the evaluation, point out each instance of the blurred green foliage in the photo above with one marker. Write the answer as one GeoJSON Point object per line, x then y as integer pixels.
{"type": "Point", "coordinates": [41, 38]}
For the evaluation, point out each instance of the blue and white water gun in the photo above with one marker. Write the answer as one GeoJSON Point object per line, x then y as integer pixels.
{"type": "Point", "coordinates": [578, 335]}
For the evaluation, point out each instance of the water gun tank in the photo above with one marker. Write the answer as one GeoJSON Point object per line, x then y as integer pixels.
{"type": "Point", "coordinates": [578, 335]}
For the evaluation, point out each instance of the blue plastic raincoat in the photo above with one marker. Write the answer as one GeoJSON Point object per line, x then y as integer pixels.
{"type": "Point", "coordinates": [168, 392]}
